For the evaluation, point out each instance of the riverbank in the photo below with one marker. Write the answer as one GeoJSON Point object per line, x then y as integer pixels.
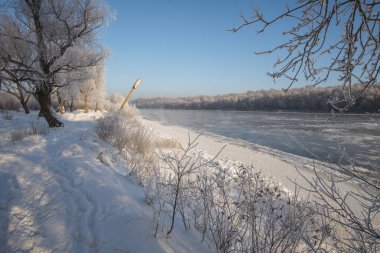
{"type": "Point", "coordinates": [66, 190]}
{"type": "Point", "coordinates": [284, 167]}
{"type": "Point", "coordinates": [315, 136]}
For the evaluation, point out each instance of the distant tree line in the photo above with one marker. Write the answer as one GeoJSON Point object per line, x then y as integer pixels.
{"type": "Point", "coordinates": [315, 99]}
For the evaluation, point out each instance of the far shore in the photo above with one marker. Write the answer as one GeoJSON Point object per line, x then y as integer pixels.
{"type": "Point", "coordinates": [264, 111]}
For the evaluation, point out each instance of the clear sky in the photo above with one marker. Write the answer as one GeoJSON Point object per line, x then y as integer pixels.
{"type": "Point", "coordinates": [183, 48]}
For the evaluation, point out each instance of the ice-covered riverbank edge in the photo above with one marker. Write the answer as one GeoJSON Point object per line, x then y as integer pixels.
{"type": "Point", "coordinates": [286, 168]}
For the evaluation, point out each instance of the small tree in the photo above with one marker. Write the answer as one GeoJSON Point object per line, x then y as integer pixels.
{"type": "Point", "coordinates": [16, 89]}
{"type": "Point", "coordinates": [181, 164]}
{"type": "Point", "coordinates": [92, 89]}
{"type": "Point", "coordinates": [13, 81]}
{"type": "Point", "coordinates": [99, 94]}
{"type": "Point", "coordinates": [85, 92]}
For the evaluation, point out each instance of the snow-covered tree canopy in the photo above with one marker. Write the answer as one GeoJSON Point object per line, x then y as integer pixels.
{"type": "Point", "coordinates": [41, 39]}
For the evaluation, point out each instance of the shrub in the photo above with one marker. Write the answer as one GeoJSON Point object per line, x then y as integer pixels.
{"type": "Point", "coordinates": [19, 135]}
{"type": "Point", "coordinates": [235, 207]}
{"type": "Point", "coordinates": [7, 116]}
{"type": "Point", "coordinates": [125, 132]}
{"type": "Point", "coordinates": [34, 129]}
{"type": "Point", "coordinates": [134, 140]}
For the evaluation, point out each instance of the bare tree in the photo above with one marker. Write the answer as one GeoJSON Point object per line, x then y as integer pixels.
{"type": "Point", "coordinates": [59, 36]}
{"type": "Point", "coordinates": [99, 92]}
{"type": "Point", "coordinates": [71, 84]}
{"type": "Point", "coordinates": [61, 102]}
{"type": "Point", "coordinates": [12, 80]}
{"type": "Point", "coordinates": [92, 89]}
{"type": "Point", "coordinates": [181, 164]}
{"type": "Point", "coordinates": [85, 92]}
{"type": "Point", "coordinates": [16, 89]}
{"type": "Point", "coordinates": [356, 213]}
{"type": "Point", "coordinates": [355, 55]}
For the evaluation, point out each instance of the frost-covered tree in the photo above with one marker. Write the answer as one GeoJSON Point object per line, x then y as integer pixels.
{"type": "Point", "coordinates": [12, 79]}
{"type": "Point", "coordinates": [96, 97]}
{"type": "Point", "coordinates": [69, 88]}
{"type": "Point", "coordinates": [44, 38]}
{"type": "Point", "coordinates": [99, 94]}
{"type": "Point", "coordinates": [324, 38]}
{"type": "Point", "coordinates": [92, 90]}
{"type": "Point", "coordinates": [355, 56]}
{"type": "Point", "coordinates": [115, 99]}
{"type": "Point", "coordinates": [85, 88]}
{"type": "Point", "coordinates": [14, 87]}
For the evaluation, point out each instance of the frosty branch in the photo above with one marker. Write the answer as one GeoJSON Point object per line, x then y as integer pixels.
{"type": "Point", "coordinates": [354, 55]}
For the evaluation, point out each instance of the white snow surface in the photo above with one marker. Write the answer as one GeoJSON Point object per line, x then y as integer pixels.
{"type": "Point", "coordinates": [285, 168]}
{"type": "Point", "coordinates": [57, 196]}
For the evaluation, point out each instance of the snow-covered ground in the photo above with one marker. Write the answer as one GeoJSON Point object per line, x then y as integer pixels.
{"type": "Point", "coordinates": [68, 191]}
{"type": "Point", "coordinates": [57, 196]}
{"type": "Point", "coordinates": [284, 167]}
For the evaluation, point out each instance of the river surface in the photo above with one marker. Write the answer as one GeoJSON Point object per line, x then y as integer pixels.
{"type": "Point", "coordinates": [347, 138]}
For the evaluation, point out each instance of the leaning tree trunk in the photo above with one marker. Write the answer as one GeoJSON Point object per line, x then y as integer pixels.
{"type": "Point", "coordinates": [85, 106]}
{"type": "Point", "coordinates": [41, 113]}
{"type": "Point", "coordinates": [23, 101]}
{"type": "Point", "coordinates": [45, 104]}
{"type": "Point", "coordinates": [25, 107]}
{"type": "Point", "coordinates": [61, 103]}
{"type": "Point", "coordinates": [71, 104]}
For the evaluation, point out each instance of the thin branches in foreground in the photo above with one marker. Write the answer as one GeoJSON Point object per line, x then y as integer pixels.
{"type": "Point", "coordinates": [236, 208]}
{"type": "Point", "coordinates": [345, 34]}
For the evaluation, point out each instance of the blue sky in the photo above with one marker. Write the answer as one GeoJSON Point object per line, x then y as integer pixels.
{"type": "Point", "coordinates": [183, 48]}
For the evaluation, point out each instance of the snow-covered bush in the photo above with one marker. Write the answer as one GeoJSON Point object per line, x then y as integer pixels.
{"type": "Point", "coordinates": [178, 168]}
{"type": "Point", "coordinates": [35, 128]}
{"type": "Point", "coordinates": [114, 102]}
{"type": "Point", "coordinates": [111, 127]}
{"type": "Point", "coordinates": [18, 135]}
{"type": "Point", "coordinates": [235, 207]}
{"type": "Point", "coordinates": [354, 214]}
{"type": "Point", "coordinates": [133, 139]}
{"type": "Point", "coordinates": [38, 128]}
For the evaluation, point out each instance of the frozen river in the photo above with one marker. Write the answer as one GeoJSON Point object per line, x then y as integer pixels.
{"type": "Point", "coordinates": [317, 136]}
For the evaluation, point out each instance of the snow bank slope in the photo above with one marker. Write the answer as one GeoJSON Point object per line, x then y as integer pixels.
{"type": "Point", "coordinates": [57, 196]}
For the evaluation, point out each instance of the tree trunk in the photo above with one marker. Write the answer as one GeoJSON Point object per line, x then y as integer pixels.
{"type": "Point", "coordinates": [25, 107]}
{"type": "Point", "coordinates": [85, 107]}
{"type": "Point", "coordinates": [61, 103]}
{"type": "Point", "coordinates": [41, 114]}
{"type": "Point", "coordinates": [45, 104]}
{"type": "Point", "coordinates": [175, 204]}
{"type": "Point", "coordinates": [72, 105]}
{"type": "Point", "coordinates": [21, 97]}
